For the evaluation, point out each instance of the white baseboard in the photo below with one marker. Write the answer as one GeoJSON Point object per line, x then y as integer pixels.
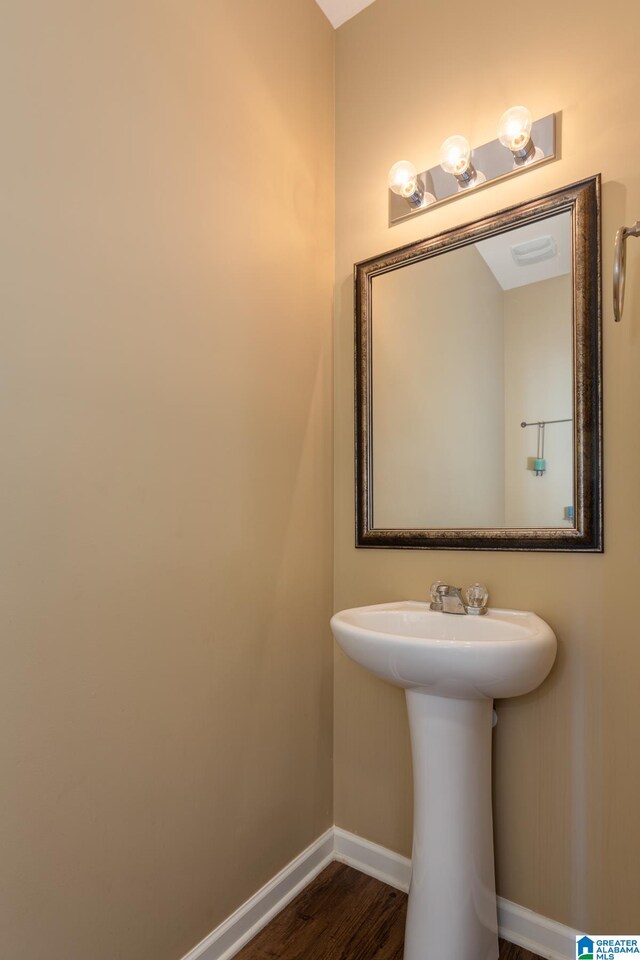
{"type": "Point", "coordinates": [536, 933]}
{"type": "Point", "coordinates": [369, 858]}
{"type": "Point", "coordinates": [527, 929]}
{"type": "Point", "coordinates": [227, 939]}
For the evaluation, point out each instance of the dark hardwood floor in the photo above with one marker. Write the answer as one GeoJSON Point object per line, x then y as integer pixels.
{"type": "Point", "coordinates": [343, 915]}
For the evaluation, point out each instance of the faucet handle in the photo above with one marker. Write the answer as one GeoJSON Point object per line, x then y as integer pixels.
{"type": "Point", "coordinates": [476, 596]}
{"type": "Point", "coordinates": [437, 590]}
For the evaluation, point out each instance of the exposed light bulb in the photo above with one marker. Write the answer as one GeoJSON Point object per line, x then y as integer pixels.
{"type": "Point", "coordinates": [514, 129]}
{"type": "Point", "coordinates": [455, 158]}
{"type": "Point", "coordinates": [404, 181]}
{"type": "Point", "coordinates": [403, 178]}
{"type": "Point", "coordinates": [455, 155]}
{"type": "Point", "coordinates": [514, 133]}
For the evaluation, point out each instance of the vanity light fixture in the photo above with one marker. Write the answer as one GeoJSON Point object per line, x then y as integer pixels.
{"type": "Point", "coordinates": [514, 133]}
{"type": "Point", "coordinates": [405, 182]}
{"type": "Point", "coordinates": [455, 158]}
{"type": "Point", "coordinates": [464, 168]}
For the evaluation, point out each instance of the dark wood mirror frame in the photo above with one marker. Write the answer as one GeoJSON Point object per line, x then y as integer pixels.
{"type": "Point", "coordinates": [582, 200]}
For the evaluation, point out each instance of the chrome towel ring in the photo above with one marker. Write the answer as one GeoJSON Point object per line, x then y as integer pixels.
{"type": "Point", "coordinates": [619, 267]}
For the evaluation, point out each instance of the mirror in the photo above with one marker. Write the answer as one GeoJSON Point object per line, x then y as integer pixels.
{"type": "Point", "coordinates": [478, 384]}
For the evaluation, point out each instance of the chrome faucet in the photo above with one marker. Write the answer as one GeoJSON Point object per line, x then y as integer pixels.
{"type": "Point", "coordinates": [446, 598]}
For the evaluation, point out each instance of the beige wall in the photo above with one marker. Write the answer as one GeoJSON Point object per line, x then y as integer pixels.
{"type": "Point", "coordinates": [567, 764]}
{"type": "Point", "coordinates": [166, 284]}
{"type": "Point", "coordinates": [435, 337]}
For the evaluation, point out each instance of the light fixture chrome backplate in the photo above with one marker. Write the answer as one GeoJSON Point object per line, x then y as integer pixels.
{"type": "Point", "coordinates": [493, 159]}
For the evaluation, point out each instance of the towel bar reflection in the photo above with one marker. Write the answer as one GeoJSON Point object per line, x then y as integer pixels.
{"type": "Point", "coordinates": [619, 267]}
{"type": "Point", "coordinates": [543, 423]}
{"type": "Point", "coordinates": [539, 463]}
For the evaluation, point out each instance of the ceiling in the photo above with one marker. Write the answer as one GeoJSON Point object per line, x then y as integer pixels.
{"type": "Point", "coordinates": [498, 252]}
{"type": "Point", "coordinates": [337, 11]}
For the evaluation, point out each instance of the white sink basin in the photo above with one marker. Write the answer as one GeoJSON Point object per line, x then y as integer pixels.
{"type": "Point", "coordinates": [451, 668]}
{"type": "Point", "coordinates": [503, 654]}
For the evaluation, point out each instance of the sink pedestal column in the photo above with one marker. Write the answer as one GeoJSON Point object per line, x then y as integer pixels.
{"type": "Point", "coordinates": [452, 913]}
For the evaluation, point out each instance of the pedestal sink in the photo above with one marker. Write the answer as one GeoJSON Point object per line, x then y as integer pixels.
{"type": "Point", "coordinates": [451, 668]}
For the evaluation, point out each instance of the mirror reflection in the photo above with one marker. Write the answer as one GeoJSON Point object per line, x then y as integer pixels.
{"type": "Point", "coordinates": [466, 346]}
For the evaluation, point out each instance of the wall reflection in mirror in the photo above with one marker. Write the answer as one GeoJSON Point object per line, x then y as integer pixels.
{"type": "Point", "coordinates": [466, 346]}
